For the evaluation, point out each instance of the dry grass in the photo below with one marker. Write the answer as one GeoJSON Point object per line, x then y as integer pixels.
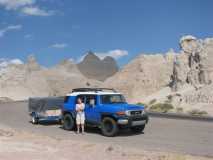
{"type": "Point", "coordinates": [197, 112]}
{"type": "Point", "coordinates": [161, 107]}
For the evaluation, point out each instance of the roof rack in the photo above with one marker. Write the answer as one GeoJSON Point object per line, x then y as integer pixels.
{"type": "Point", "coordinates": [93, 89]}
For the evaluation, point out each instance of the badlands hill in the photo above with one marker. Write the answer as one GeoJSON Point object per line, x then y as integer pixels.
{"type": "Point", "coordinates": [182, 79]}
{"type": "Point", "coordinates": [20, 81]}
{"type": "Point", "coordinates": [95, 68]}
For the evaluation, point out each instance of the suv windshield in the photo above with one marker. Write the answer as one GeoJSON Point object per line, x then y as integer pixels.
{"type": "Point", "coordinates": [112, 98]}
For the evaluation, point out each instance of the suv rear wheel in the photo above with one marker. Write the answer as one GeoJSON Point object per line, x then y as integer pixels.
{"type": "Point", "coordinates": [138, 129]}
{"type": "Point", "coordinates": [109, 127]}
{"type": "Point", "coordinates": [68, 122]}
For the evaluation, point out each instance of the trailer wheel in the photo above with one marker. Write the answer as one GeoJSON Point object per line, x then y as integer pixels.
{"type": "Point", "coordinates": [34, 119]}
{"type": "Point", "coordinates": [68, 122]}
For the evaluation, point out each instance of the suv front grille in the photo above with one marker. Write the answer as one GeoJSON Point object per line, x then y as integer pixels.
{"type": "Point", "coordinates": [135, 113]}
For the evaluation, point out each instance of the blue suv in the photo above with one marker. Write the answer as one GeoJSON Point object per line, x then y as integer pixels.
{"type": "Point", "coordinates": [104, 108]}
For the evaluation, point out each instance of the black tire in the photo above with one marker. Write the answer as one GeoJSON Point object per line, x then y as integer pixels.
{"type": "Point", "coordinates": [68, 122]}
{"type": "Point", "coordinates": [34, 120]}
{"type": "Point", "coordinates": [109, 127]}
{"type": "Point", "coordinates": [138, 129]}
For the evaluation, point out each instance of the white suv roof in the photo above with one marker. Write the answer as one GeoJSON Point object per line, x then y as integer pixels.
{"type": "Point", "coordinates": [95, 93]}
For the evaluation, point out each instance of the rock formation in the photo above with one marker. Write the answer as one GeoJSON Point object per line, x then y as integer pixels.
{"type": "Point", "coordinates": [143, 76]}
{"type": "Point", "coordinates": [94, 68]}
{"type": "Point", "coordinates": [32, 64]}
{"type": "Point", "coordinates": [160, 76]}
{"type": "Point", "coordinates": [20, 81]}
{"type": "Point", "coordinates": [191, 65]}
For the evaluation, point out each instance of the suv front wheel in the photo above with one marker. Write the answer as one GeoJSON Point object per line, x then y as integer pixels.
{"type": "Point", "coordinates": [109, 127]}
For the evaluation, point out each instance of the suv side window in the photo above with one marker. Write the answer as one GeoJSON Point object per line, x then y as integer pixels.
{"type": "Point", "coordinates": [89, 98]}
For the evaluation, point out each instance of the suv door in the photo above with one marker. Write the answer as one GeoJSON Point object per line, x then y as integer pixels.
{"type": "Point", "coordinates": [91, 111]}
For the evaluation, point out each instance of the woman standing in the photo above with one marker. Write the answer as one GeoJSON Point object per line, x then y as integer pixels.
{"type": "Point", "coordinates": [80, 115]}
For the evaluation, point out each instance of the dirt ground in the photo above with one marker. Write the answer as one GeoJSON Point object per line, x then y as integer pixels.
{"type": "Point", "coordinates": [17, 145]}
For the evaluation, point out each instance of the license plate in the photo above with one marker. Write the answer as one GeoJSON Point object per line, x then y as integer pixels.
{"type": "Point", "coordinates": [53, 112]}
{"type": "Point", "coordinates": [138, 123]}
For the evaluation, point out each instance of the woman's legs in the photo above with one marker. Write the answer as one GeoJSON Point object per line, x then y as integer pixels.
{"type": "Point", "coordinates": [82, 128]}
{"type": "Point", "coordinates": [80, 119]}
{"type": "Point", "coordinates": [82, 122]}
{"type": "Point", "coordinates": [78, 122]}
{"type": "Point", "coordinates": [78, 128]}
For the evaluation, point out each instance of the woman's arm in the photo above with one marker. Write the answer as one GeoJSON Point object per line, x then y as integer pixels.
{"type": "Point", "coordinates": [82, 107]}
{"type": "Point", "coordinates": [77, 108]}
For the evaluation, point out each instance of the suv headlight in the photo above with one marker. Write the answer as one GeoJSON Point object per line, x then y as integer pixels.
{"type": "Point", "coordinates": [128, 113]}
{"type": "Point", "coordinates": [143, 112]}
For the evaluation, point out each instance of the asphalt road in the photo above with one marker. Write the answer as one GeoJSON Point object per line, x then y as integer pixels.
{"type": "Point", "coordinates": [161, 134]}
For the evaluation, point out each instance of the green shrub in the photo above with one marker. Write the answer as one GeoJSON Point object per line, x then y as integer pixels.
{"type": "Point", "coordinates": [179, 109]}
{"type": "Point", "coordinates": [169, 97]}
{"type": "Point", "coordinates": [161, 107]}
{"type": "Point", "coordinates": [197, 112]}
{"type": "Point", "coordinates": [152, 101]}
{"type": "Point", "coordinates": [167, 101]}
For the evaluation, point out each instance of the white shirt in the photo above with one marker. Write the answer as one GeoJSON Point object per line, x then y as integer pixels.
{"type": "Point", "coordinates": [80, 107]}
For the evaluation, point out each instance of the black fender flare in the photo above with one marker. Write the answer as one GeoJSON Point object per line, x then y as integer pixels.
{"type": "Point", "coordinates": [107, 114]}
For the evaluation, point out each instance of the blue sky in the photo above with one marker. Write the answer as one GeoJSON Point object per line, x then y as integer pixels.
{"type": "Point", "coordinates": [53, 30]}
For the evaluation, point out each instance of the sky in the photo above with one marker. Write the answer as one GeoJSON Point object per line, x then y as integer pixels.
{"type": "Point", "coordinates": [53, 30]}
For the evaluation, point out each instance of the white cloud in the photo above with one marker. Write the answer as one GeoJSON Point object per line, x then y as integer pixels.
{"type": "Point", "coordinates": [5, 62]}
{"type": "Point", "coordinates": [59, 45]}
{"type": "Point", "coordinates": [27, 7]}
{"type": "Point", "coordinates": [9, 28]}
{"type": "Point", "coordinates": [36, 11]}
{"type": "Point", "coordinates": [28, 36]}
{"type": "Point", "coordinates": [72, 60]}
{"type": "Point", "coordinates": [116, 54]}
{"type": "Point", "coordinates": [16, 61]}
{"type": "Point", "coordinates": [14, 27]}
{"type": "Point", "coordinates": [15, 4]}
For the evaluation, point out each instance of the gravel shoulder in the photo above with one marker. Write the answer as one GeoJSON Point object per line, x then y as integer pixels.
{"type": "Point", "coordinates": [21, 145]}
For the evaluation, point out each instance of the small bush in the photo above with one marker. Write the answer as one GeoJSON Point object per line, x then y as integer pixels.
{"type": "Point", "coordinates": [167, 101]}
{"type": "Point", "coordinates": [197, 112]}
{"type": "Point", "coordinates": [152, 101]}
{"type": "Point", "coordinates": [161, 107]}
{"type": "Point", "coordinates": [179, 109]}
{"type": "Point", "coordinates": [169, 97]}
